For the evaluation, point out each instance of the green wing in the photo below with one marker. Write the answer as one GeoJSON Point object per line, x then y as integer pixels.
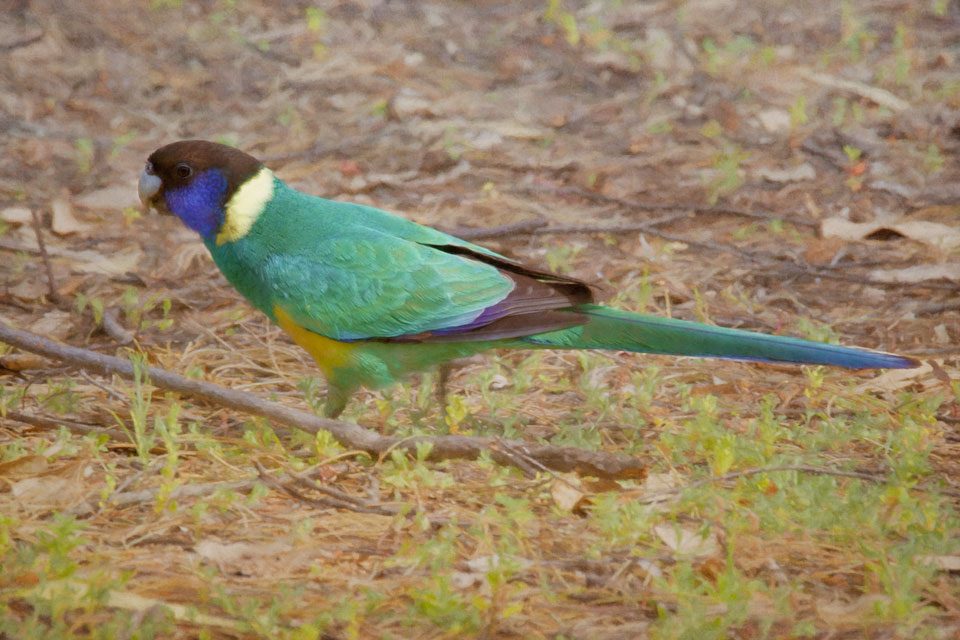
{"type": "Point", "coordinates": [362, 283]}
{"type": "Point", "coordinates": [352, 272]}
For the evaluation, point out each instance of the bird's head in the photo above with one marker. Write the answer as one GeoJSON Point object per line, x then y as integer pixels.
{"type": "Point", "coordinates": [216, 190]}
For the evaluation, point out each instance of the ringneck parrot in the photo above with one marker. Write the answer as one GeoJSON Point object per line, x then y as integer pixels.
{"type": "Point", "coordinates": [373, 297]}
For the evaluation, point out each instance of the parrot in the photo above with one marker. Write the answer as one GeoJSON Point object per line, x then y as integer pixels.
{"type": "Point", "coordinates": [372, 296]}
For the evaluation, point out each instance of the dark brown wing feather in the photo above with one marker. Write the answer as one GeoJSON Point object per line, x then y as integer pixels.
{"type": "Point", "coordinates": [532, 307]}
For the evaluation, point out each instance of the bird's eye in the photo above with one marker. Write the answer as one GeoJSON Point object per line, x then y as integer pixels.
{"type": "Point", "coordinates": [184, 170]}
{"type": "Point", "coordinates": [149, 168]}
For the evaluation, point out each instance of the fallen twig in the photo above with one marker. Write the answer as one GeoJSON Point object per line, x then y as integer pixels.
{"type": "Point", "coordinates": [803, 468]}
{"type": "Point", "coordinates": [540, 228]}
{"type": "Point", "coordinates": [51, 285]}
{"type": "Point", "coordinates": [128, 498]}
{"type": "Point", "coordinates": [345, 501]}
{"type": "Point", "coordinates": [516, 228]}
{"type": "Point", "coordinates": [650, 205]}
{"type": "Point", "coordinates": [351, 436]}
{"type": "Point", "coordinates": [875, 94]}
{"type": "Point", "coordinates": [56, 423]}
{"type": "Point", "coordinates": [114, 329]}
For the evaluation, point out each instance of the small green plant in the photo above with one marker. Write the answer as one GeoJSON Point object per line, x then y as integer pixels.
{"type": "Point", "coordinates": [60, 396]}
{"type": "Point", "coordinates": [122, 141]}
{"type": "Point", "coordinates": [310, 387]}
{"type": "Point", "coordinates": [933, 160]}
{"type": "Point", "coordinates": [136, 311]}
{"type": "Point", "coordinates": [798, 111]}
{"type": "Point", "coordinates": [660, 126]}
{"type": "Point", "coordinates": [718, 59]}
{"type": "Point", "coordinates": [453, 145]}
{"type": "Point", "coordinates": [711, 129]}
{"type": "Point", "coordinates": [557, 14]}
{"type": "Point", "coordinates": [85, 154]}
{"type": "Point", "coordinates": [853, 154]}
{"type": "Point", "coordinates": [855, 35]}
{"type": "Point", "coordinates": [456, 412]}
{"type": "Point", "coordinates": [725, 176]}
{"type": "Point", "coordinates": [56, 543]}
{"type": "Point", "coordinates": [96, 306]}
{"type": "Point", "coordinates": [140, 395]}
{"type": "Point", "coordinates": [169, 429]}
{"type": "Point", "coordinates": [316, 24]}
{"type": "Point", "coordinates": [817, 331]}
{"type": "Point", "coordinates": [130, 215]}
{"type": "Point", "coordinates": [560, 257]}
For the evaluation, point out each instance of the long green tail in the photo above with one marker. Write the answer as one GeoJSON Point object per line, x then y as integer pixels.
{"type": "Point", "coordinates": [623, 330]}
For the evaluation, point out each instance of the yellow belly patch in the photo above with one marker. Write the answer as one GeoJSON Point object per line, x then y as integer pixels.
{"type": "Point", "coordinates": [329, 354]}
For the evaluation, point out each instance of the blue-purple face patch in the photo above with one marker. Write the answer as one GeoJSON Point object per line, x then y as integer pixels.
{"type": "Point", "coordinates": [200, 204]}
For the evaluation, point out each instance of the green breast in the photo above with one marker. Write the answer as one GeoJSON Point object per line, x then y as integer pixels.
{"type": "Point", "coordinates": [239, 261]}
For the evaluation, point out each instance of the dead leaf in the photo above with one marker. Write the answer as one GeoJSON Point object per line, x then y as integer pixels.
{"type": "Point", "coordinates": [77, 589]}
{"type": "Point", "coordinates": [919, 273]}
{"type": "Point", "coordinates": [612, 59]}
{"type": "Point", "coordinates": [348, 101]}
{"type": "Point", "coordinates": [881, 96]}
{"type": "Point", "coordinates": [28, 465]}
{"type": "Point", "coordinates": [54, 324]}
{"type": "Point", "coordinates": [601, 485]}
{"type": "Point", "coordinates": [775, 120]}
{"type": "Point", "coordinates": [28, 290]}
{"type": "Point", "coordinates": [480, 566]}
{"type": "Point", "coordinates": [465, 579]}
{"type": "Point", "coordinates": [944, 563]}
{"type": "Point", "coordinates": [935, 234]}
{"type": "Point", "coordinates": [941, 335]}
{"type": "Point", "coordinates": [823, 250]}
{"type": "Point", "coordinates": [408, 103]}
{"type": "Point", "coordinates": [512, 129]}
{"type": "Point", "coordinates": [687, 542]}
{"type": "Point", "coordinates": [46, 492]}
{"type": "Point", "coordinates": [662, 482]}
{"type": "Point", "coordinates": [116, 263]}
{"type": "Point", "coordinates": [499, 382]}
{"type": "Point", "coordinates": [114, 198]}
{"type": "Point", "coordinates": [20, 361]}
{"type": "Point", "coordinates": [840, 614]}
{"type": "Point", "coordinates": [894, 380]}
{"type": "Point", "coordinates": [799, 173]}
{"type": "Point", "coordinates": [16, 215]}
{"type": "Point", "coordinates": [243, 558]}
{"type": "Point", "coordinates": [64, 223]}
{"type": "Point", "coordinates": [567, 496]}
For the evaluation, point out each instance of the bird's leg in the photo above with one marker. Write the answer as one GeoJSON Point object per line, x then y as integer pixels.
{"type": "Point", "coordinates": [443, 376]}
{"type": "Point", "coordinates": [336, 401]}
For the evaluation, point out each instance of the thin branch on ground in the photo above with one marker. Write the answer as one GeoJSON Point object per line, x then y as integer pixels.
{"type": "Point", "coordinates": [142, 496]}
{"type": "Point", "coordinates": [51, 284]}
{"type": "Point", "coordinates": [114, 329]}
{"type": "Point", "coordinates": [673, 206]}
{"type": "Point", "coordinates": [110, 392]}
{"type": "Point", "coordinates": [539, 228]}
{"type": "Point", "coordinates": [803, 468]}
{"type": "Point", "coordinates": [56, 423]}
{"type": "Point", "coordinates": [14, 248]}
{"type": "Point", "coordinates": [346, 502]}
{"type": "Point", "coordinates": [516, 228]}
{"type": "Point", "coordinates": [341, 500]}
{"type": "Point", "coordinates": [351, 436]}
